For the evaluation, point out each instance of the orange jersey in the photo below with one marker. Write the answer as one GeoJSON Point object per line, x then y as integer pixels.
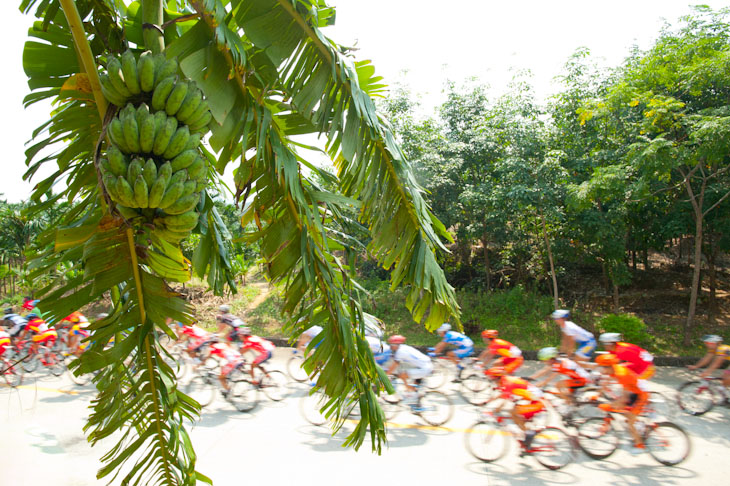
{"type": "Point", "coordinates": [517, 387]}
{"type": "Point", "coordinates": [505, 349]}
{"type": "Point", "coordinates": [628, 379]}
{"type": "Point", "coordinates": [571, 369]}
{"type": "Point", "coordinates": [37, 325]}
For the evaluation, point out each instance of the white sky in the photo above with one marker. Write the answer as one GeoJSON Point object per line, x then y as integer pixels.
{"type": "Point", "coordinates": [432, 40]}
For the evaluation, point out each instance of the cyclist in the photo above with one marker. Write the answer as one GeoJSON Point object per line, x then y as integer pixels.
{"type": "Point", "coordinates": [307, 336]}
{"type": "Point", "coordinates": [632, 400]}
{"type": "Point", "coordinates": [717, 353]}
{"type": "Point", "coordinates": [78, 323]}
{"type": "Point", "coordinates": [381, 353]}
{"type": "Point", "coordinates": [4, 341]}
{"type": "Point", "coordinates": [228, 324]}
{"type": "Point", "coordinates": [232, 359]}
{"type": "Point", "coordinates": [196, 337]}
{"type": "Point", "coordinates": [576, 342]}
{"type": "Point", "coordinates": [410, 365]}
{"type": "Point", "coordinates": [555, 365]}
{"type": "Point", "coordinates": [373, 326]}
{"type": "Point", "coordinates": [500, 356]}
{"type": "Point", "coordinates": [515, 389]}
{"type": "Point", "coordinates": [29, 304]}
{"type": "Point", "coordinates": [41, 333]}
{"type": "Point", "coordinates": [19, 322]}
{"type": "Point", "coordinates": [464, 345]}
{"type": "Point", "coordinates": [637, 359]}
{"type": "Point", "coordinates": [260, 346]}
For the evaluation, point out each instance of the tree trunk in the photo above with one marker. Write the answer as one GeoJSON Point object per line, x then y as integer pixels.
{"type": "Point", "coordinates": [550, 260]}
{"type": "Point", "coordinates": [697, 202]}
{"type": "Point", "coordinates": [487, 265]}
{"type": "Point", "coordinates": [711, 273]}
{"type": "Point", "coordinates": [646, 259]}
{"type": "Point", "coordinates": [606, 283]}
{"type": "Point", "coordinates": [615, 299]}
{"type": "Point", "coordinates": [464, 252]}
{"type": "Point", "coordinates": [633, 259]}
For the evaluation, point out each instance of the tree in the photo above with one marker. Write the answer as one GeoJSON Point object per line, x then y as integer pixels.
{"type": "Point", "coordinates": [268, 73]}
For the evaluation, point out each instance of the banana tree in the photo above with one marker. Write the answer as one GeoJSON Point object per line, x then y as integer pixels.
{"type": "Point", "coordinates": [268, 75]}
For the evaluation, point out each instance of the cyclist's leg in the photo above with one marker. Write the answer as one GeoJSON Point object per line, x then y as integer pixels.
{"type": "Point", "coordinates": [511, 365]}
{"type": "Point", "coordinates": [726, 378]}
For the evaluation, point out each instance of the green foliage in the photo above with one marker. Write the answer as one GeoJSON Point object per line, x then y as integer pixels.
{"type": "Point", "coordinates": [631, 327]}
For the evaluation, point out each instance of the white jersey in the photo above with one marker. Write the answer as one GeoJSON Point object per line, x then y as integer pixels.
{"type": "Point", "coordinates": [412, 357]}
{"type": "Point", "coordinates": [312, 332]}
{"type": "Point", "coordinates": [576, 332]}
{"type": "Point", "coordinates": [19, 323]}
{"type": "Point", "coordinates": [376, 345]}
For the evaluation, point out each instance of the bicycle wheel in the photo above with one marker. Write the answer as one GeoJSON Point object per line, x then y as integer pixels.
{"type": "Point", "coordinates": [201, 389]}
{"type": "Point", "coordinates": [597, 438]}
{"type": "Point", "coordinates": [243, 395]}
{"type": "Point", "coordinates": [696, 397]}
{"type": "Point", "coordinates": [477, 389]}
{"type": "Point", "coordinates": [438, 376]}
{"type": "Point", "coordinates": [55, 364]}
{"type": "Point", "coordinates": [435, 408]}
{"type": "Point", "coordinates": [659, 406]}
{"type": "Point", "coordinates": [552, 448]}
{"type": "Point", "coordinates": [274, 385]}
{"type": "Point", "coordinates": [486, 441]}
{"type": "Point", "coordinates": [668, 443]}
{"type": "Point", "coordinates": [309, 407]}
{"type": "Point", "coordinates": [13, 375]}
{"type": "Point", "coordinates": [30, 363]}
{"type": "Point", "coordinates": [294, 368]}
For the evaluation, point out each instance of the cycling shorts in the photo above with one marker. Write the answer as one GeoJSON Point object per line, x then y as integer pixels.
{"type": "Point", "coordinates": [2, 349]}
{"type": "Point", "coordinates": [262, 357]}
{"type": "Point", "coordinates": [229, 366]}
{"type": "Point", "coordinates": [584, 349]}
{"type": "Point", "coordinates": [464, 352]}
{"type": "Point", "coordinates": [636, 403]}
{"type": "Point", "coordinates": [418, 373]}
{"type": "Point", "coordinates": [529, 410]}
{"type": "Point", "coordinates": [45, 337]}
{"type": "Point", "coordinates": [505, 366]}
{"type": "Point", "coordinates": [573, 383]}
{"type": "Point", "coordinates": [196, 344]}
{"type": "Point", "coordinates": [77, 331]}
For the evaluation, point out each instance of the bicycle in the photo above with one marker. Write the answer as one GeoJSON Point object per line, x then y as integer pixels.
{"type": "Point", "coordinates": [204, 386]}
{"type": "Point", "coordinates": [488, 440]}
{"type": "Point", "coordinates": [294, 367]}
{"type": "Point", "coordinates": [310, 406]}
{"type": "Point", "coordinates": [45, 355]}
{"type": "Point", "coordinates": [699, 396]}
{"type": "Point", "coordinates": [666, 442]}
{"type": "Point", "coordinates": [11, 373]}
{"type": "Point", "coordinates": [433, 406]}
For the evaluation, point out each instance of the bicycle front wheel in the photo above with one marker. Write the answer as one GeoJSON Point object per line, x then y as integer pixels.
{"type": "Point", "coordinates": [243, 395]}
{"type": "Point", "coordinates": [309, 407]}
{"type": "Point", "coordinates": [438, 376]}
{"type": "Point", "coordinates": [597, 438]}
{"type": "Point", "coordinates": [274, 384]}
{"type": "Point", "coordinates": [476, 388]}
{"type": "Point", "coordinates": [201, 389]}
{"type": "Point", "coordinates": [55, 364]}
{"type": "Point", "coordinates": [486, 441]}
{"type": "Point", "coordinates": [13, 375]}
{"type": "Point", "coordinates": [294, 368]}
{"type": "Point", "coordinates": [696, 397]}
{"type": "Point", "coordinates": [552, 448]}
{"type": "Point", "coordinates": [668, 443]}
{"type": "Point", "coordinates": [435, 408]}
{"type": "Point", "coordinates": [30, 363]}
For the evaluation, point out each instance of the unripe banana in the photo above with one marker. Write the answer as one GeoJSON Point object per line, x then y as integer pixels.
{"type": "Point", "coordinates": [117, 161]}
{"type": "Point", "coordinates": [141, 113]}
{"type": "Point", "coordinates": [193, 142]}
{"type": "Point", "coordinates": [184, 160]}
{"type": "Point", "coordinates": [201, 110]}
{"type": "Point", "coordinates": [162, 91]}
{"type": "Point", "coordinates": [116, 133]}
{"type": "Point", "coordinates": [111, 94]}
{"type": "Point", "coordinates": [179, 176]}
{"type": "Point", "coordinates": [171, 194]}
{"type": "Point", "coordinates": [189, 218]}
{"type": "Point", "coordinates": [177, 96]}
{"type": "Point", "coordinates": [131, 133]}
{"type": "Point", "coordinates": [149, 172]}
{"type": "Point", "coordinates": [190, 104]}
{"type": "Point", "coordinates": [128, 213]}
{"type": "Point", "coordinates": [162, 139]}
{"type": "Point", "coordinates": [188, 188]}
{"type": "Point", "coordinates": [125, 193]}
{"type": "Point", "coordinates": [202, 124]}
{"type": "Point", "coordinates": [147, 134]}
{"type": "Point", "coordinates": [197, 168]}
{"type": "Point", "coordinates": [165, 69]}
{"type": "Point", "coordinates": [183, 204]}
{"type": "Point", "coordinates": [114, 70]}
{"type": "Point", "coordinates": [134, 170]}
{"type": "Point", "coordinates": [146, 71]}
{"type": "Point", "coordinates": [141, 192]}
{"type": "Point", "coordinates": [109, 183]}
{"type": "Point", "coordinates": [157, 191]}
{"type": "Point", "coordinates": [177, 143]}
{"type": "Point", "coordinates": [129, 69]}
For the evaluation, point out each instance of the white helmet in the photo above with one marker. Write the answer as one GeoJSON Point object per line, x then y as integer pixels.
{"type": "Point", "coordinates": [445, 327]}
{"type": "Point", "coordinates": [711, 338]}
{"type": "Point", "coordinates": [610, 337]}
{"type": "Point", "coordinates": [225, 308]}
{"type": "Point", "coordinates": [560, 314]}
{"type": "Point", "coordinates": [547, 353]}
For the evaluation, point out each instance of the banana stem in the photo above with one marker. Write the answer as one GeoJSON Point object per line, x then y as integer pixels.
{"type": "Point", "coordinates": [84, 51]}
{"type": "Point", "coordinates": [152, 11]}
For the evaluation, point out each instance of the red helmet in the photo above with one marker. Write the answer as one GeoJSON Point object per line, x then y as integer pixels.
{"type": "Point", "coordinates": [606, 360]}
{"type": "Point", "coordinates": [397, 339]}
{"type": "Point", "coordinates": [490, 333]}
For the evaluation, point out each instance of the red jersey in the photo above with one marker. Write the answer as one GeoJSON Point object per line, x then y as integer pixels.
{"type": "Point", "coordinates": [37, 325]}
{"type": "Point", "coordinates": [571, 369]}
{"type": "Point", "coordinates": [257, 344]}
{"type": "Point", "coordinates": [195, 332]}
{"type": "Point", "coordinates": [505, 349]}
{"type": "Point", "coordinates": [639, 359]}
{"type": "Point", "coordinates": [627, 378]}
{"type": "Point", "coordinates": [519, 387]}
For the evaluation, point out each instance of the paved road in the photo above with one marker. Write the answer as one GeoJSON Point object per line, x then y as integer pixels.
{"type": "Point", "coordinates": [43, 443]}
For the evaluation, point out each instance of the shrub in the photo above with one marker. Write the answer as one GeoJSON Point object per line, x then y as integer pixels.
{"type": "Point", "coordinates": [632, 328]}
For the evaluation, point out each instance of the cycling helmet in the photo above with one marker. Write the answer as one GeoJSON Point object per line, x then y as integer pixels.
{"type": "Point", "coordinates": [8, 310]}
{"type": "Point", "coordinates": [560, 314]}
{"type": "Point", "coordinates": [225, 308]}
{"type": "Point", "coordinates": [32, 315]}
{"type": "Point", "coordinates": [609, 337]}
{"type": "Point", "coordinates": [246, 331]}
{"type": "Point", "coordinates": [606, 360]}
{"type": "Point", "coordinates": [445, 327]}
{"type": "Point", "coordinates": [711, 338]}
{"type": "Point", "coordinates": [397, 339]}
{"type": "Point", "coordinates": [490, 333]}
{"type": "Point", "coordinates": [547, 353]}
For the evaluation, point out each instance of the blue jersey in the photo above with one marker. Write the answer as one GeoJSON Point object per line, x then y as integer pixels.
{"type": "Point", "coordinates": [458, 339]}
